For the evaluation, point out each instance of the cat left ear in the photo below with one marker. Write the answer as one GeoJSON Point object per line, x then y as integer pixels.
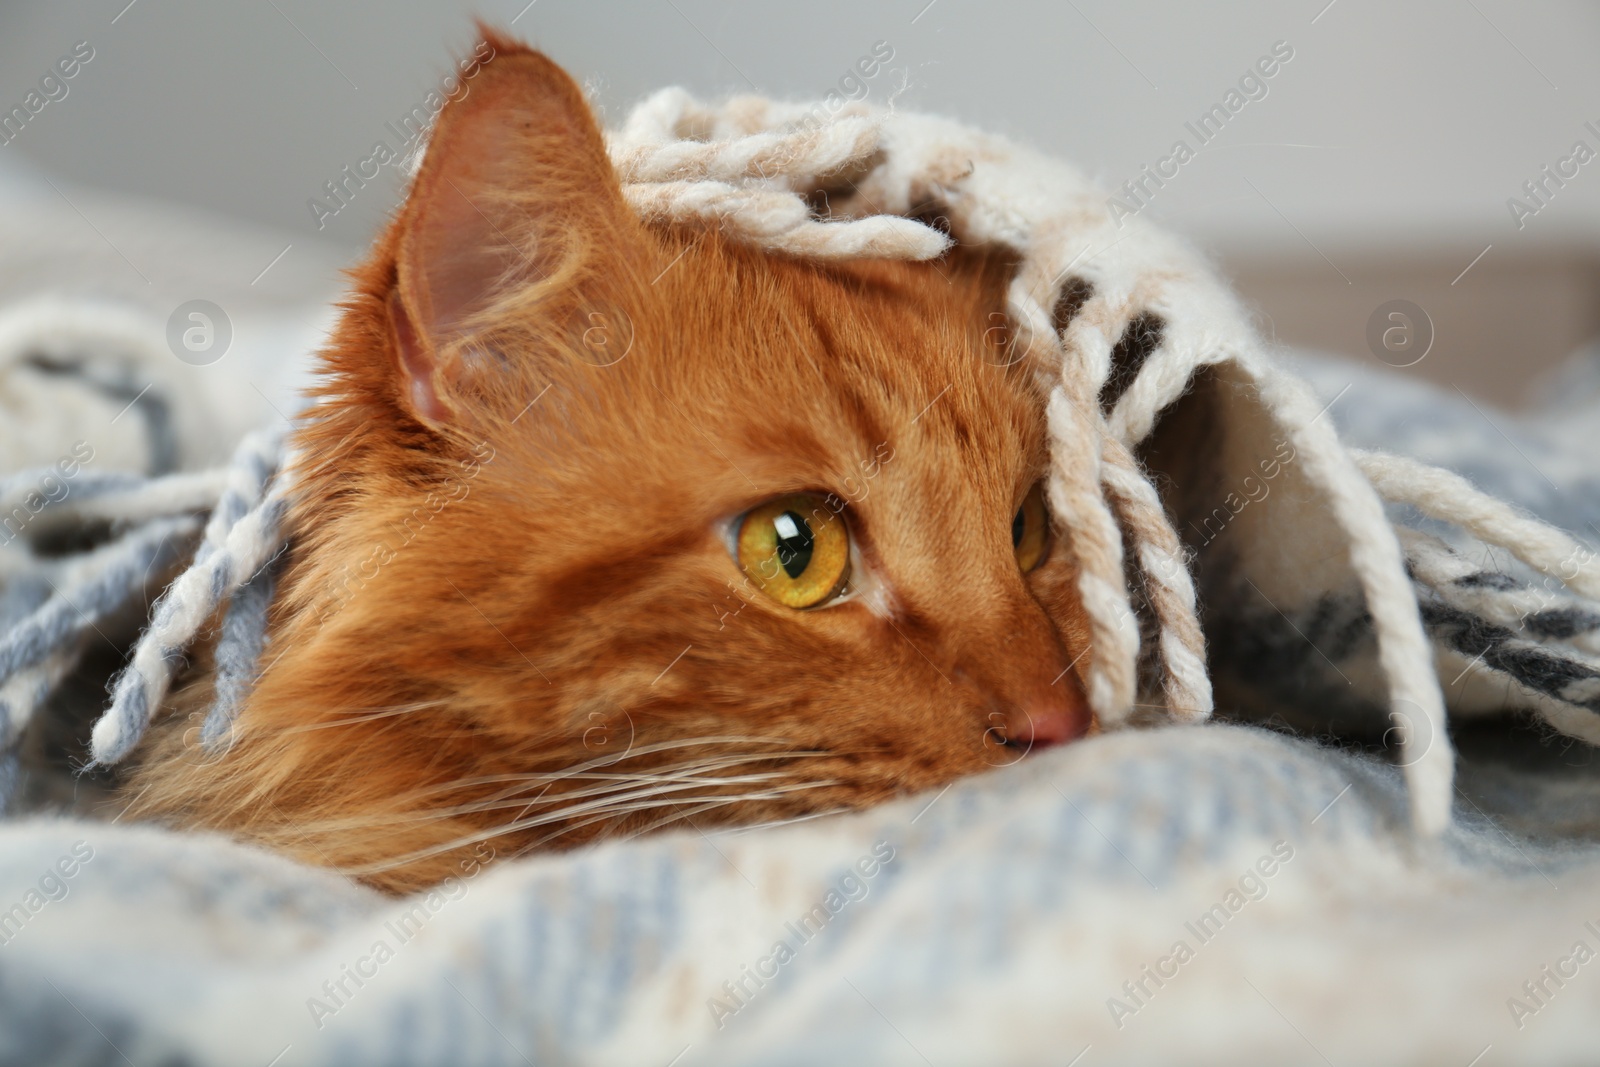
{"type": "Point", "coordinates": [515, 188]}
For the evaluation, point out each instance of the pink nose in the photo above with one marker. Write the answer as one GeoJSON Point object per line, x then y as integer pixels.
{"type": "Point", "coordinates": [1054, 720]}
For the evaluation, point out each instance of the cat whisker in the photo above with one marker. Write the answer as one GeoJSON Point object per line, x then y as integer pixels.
{"type": "Point", "coordinates": [738, 831]}
{"type": "Point", "coordinates": [596, 797]}
{"type": "Point", "coordinates": [610, 760]}
{"type": "Point", "coordinates": [614, 791]}
{"type": "Point", "coordinates": [519, 782]}
{"type": "Point", "coordinates": [686, 742]}
{"type": "Point", "coordinates": [677, 816]}
{"type": "Point", "coordinates": [614, 788]}
{"type": "Point", "coordinates": [367, 716]}
{"type": "Point", "coordinates": [515, 826]}
{"type": "Point", "coordinates": [708, 803]}
{"type": "Point", "coordinates": [673, 773]}
{"type": "Point", "coordinates": [735, 831]}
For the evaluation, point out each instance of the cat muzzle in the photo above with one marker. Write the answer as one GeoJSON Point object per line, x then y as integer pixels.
{"type": "Point", "coordinates": [1054, 719]}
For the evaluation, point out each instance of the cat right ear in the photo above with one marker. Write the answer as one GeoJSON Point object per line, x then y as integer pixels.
{"type": "Point", "coordinates": [515, 190]}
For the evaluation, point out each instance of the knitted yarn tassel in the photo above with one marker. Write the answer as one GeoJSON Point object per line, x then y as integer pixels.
{"type": "Point", "coordinates": [37, 652]}
{"type": "Point", "coordinates": [1461, 583]}
{"type": "Point", "coordinates": [29, 687]}
{"type": "Point", "coordinates": [238, 654]}
{"type": "Point", "coordinates": [240, 537]}
{"type": "Point", "coordinates": [783, 223]}
{"type": "Point", "coordinates": [1160, 558]}
{"type": "Point", "coordinates": [1416, 701]}
{"type": "Point", "coordinates": [1074, 490]}
{"type": "Point", "coordinates": [1441, 494]}
{"type": "Point", "coordinates": [1075, 497]}
{"type": "Point", "coordinates": [1562, 689]}
{"type": "Point", "coordinates": [747, 185]}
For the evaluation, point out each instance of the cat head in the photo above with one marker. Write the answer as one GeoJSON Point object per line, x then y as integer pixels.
{"type": "Point", "coordinates": [606, 526]}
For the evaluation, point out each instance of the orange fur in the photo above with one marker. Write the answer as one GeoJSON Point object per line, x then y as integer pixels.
{"type": "Point", "coordinates": [510, 561]}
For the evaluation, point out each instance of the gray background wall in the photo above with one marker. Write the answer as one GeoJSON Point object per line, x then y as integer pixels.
{"type": "Point", "coordinates": [1378, 165]}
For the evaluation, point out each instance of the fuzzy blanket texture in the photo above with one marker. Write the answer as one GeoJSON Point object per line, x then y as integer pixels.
{"type": "Point", "coordinates": [1206, 893]}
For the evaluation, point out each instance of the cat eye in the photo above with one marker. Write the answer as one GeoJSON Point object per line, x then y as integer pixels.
{"type": "Point", "coordinates": [1030, 529]}
{"type": "Point", "coordinates": [795, 549]}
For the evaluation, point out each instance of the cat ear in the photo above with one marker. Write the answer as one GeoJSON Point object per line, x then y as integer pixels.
{"type": "Point", "coordinates": [514, 184]}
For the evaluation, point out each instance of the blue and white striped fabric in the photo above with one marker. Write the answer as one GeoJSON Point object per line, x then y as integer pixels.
{"type": "Point", "coordinates": [1016, 918]}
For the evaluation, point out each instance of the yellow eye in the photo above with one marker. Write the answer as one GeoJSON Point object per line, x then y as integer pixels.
{"type": "Point", "coordinates": [1030, 529]}
{"type": "Point", "coordinates": [795, 549]}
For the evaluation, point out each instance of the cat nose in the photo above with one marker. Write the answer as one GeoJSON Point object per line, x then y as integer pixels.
{"type": "Point", "coordinates": [1053, 717]}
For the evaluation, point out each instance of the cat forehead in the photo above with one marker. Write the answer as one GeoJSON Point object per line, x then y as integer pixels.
{"type": "Point", "coordinates": [852, 356]}
{"type": "Point", "coordinates": [743, 371]}
{"type": "Point", "coordinates": [871, 335]}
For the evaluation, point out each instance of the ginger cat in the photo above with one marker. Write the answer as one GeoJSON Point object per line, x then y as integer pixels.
{"type": "Point", "coordinates": [606, 527]}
